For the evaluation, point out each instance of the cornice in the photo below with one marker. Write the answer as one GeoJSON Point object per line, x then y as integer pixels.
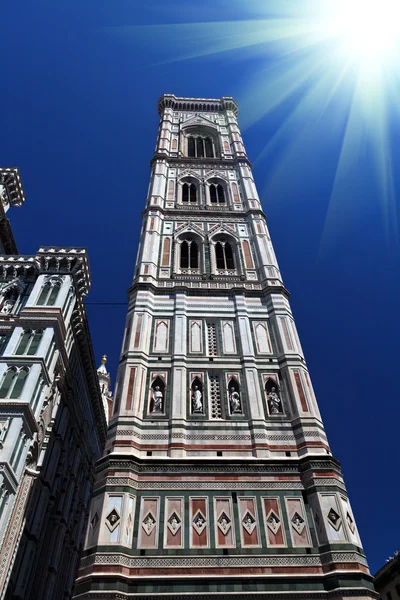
{"type": "Point", "coordinates": [49, 260]}
{"type": "Point", "coordinates": [203, 212]}
{"type": "Point", "coordinates": [210, 466]}
{"type": "Point", "coordinates": [197, 104]}
{"type": "Point", "coordinates": [236, 289]}
{"type": "Point", "coordinates": [185, 161]}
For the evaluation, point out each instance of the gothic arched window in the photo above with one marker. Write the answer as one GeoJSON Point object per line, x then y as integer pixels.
{"type": "Point", "coordinates": [217, 194]}
{"type": "Point", "coordinates": [13, 382]}
{"type": "Point", "coordinates": [224, 256]}
{"type": "Point", "coordinates": [189, 193]}
{"type": "Point", "coordinates": [189, 255]}
{"type": "Point", "coordinates": [200, 147]}
{"type": "Point", "coordinates": [29, 342]}
{"type": "Point", "coordinates": [49, 293]}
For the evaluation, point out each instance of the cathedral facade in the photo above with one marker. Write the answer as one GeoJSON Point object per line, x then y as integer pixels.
{"type": "Point", "coordinates": [217, 480]}
{"type": "Point", "coordinates": [52, 421]}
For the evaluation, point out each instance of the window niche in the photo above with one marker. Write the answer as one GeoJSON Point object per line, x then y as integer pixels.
{"type": "Point", "coordinates": [188, 191]}
{"type": "Point", "coordinates": [49, 292]}
{"type": "Point", "coordinates": [29, 342]}
{"type": "Point", "coordinates": [217, 193]}
{"type": "Point", "coordinates": [157, 396]}
{"type": "Point", "coordinates": [224, 256]}
{"type": "Point", "coordinates": [188, 255]}
{"type": "Point", "coordinates": [197, 397]}
{"type": "Point", "coordinates": [13, 382]}
{"type": "Point", "coordinates": [234, 397]}
{"type": "Point", "coordinates": [274, 398]}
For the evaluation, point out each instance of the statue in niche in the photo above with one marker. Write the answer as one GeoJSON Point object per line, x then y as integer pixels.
{"type": "Point", "coordinates": [274, 402]}
{"type": "Point", "coordinates": [7, 306]}
{"type": "Point", "coordinates": [197, 400]}
{"type": "Point", "coordinates": [234, 399]}
{"type": "Point", "coordinates": [157, 400]}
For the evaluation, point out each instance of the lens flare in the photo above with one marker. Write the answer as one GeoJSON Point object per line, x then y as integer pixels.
{"type": "Point", "coordinates": [369, 30]}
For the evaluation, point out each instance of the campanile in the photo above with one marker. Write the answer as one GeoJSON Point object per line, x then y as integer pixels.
{"type": "Point", "coordinates": [217, 481]}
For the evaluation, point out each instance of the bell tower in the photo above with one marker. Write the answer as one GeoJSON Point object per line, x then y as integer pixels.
{"type": "Point", "coordinates": [217, 480]}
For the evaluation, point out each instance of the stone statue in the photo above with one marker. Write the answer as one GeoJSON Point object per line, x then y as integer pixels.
{"type": "Point", "coordinates": [234, 399]}
{"type": "Point", "coordinates": [274, 402]}
{"type": "Point", "coordinates": [7, 307]}
{"type": "Point", "coordinates": [157, 400]}
{"type": "Point", "coordinates": [197, 400]}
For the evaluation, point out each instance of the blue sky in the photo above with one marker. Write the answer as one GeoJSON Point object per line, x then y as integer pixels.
{"type": "Point", "coordinates": [80, 83]}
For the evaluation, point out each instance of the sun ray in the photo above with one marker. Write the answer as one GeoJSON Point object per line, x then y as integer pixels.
{"type": "Point", "coordinates": [335, 58]}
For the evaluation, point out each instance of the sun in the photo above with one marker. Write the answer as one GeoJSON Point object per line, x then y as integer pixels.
{"type": "Point", "coordinates": [369, 30]}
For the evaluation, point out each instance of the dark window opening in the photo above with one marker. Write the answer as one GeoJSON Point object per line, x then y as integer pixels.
{"type": "Point", "coordinates": [189, 255]}
{"type": "Point", "coordinates": [200, 147]}
{"type": "Point", "coordinates": [194, 257]}
{"type": "Point", "coordinates": [191, 147]}
{"type": "Point", "coordinates": [184, 255]}
{"type": "Point", "coordinates": [229, 256]}
{"type": "Point", "coordinates": [219, 253]}
{"type": "Point", "coordinates": [217, 194]}
{"type": "Point", "coordinates": [189, 192]}
{"type": "Point", "coordinates": [209, 148]}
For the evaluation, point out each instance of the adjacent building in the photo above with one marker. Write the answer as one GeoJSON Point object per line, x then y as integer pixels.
{"type": "Point", "coordinates": [217, 480]}
{"type": "Point", "coordinates": [52, 421]}
{"type": "Point", "coordinates": [387, 579]}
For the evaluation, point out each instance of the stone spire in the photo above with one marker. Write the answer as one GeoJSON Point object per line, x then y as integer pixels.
{"type": "Point", "coordinates": [105, 382]}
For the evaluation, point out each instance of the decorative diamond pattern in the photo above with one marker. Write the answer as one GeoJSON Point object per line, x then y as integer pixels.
{"type": "Point", "coordinates": [334, 519]}
{"type": "Point", "coordinates": [113, 519]}
{"type": "Point", "coordinates": [298, 523]}
{"type": "Point", "coordinates": [174, 523]}
{"type": "Point", "coordinates": [224, 523]}
{"type": "Point", "coordinates": [273, 521]}
{"type": "Point", "coordinates": [249, 522]}
{"type": "Point", "coordinates": [199, 522]}
{"type": "Point", "coordinates": [350, 523]}
{"type": "Point", "coordinates": [149, 522]}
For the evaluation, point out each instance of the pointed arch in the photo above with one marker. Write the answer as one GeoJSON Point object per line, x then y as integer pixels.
{"type": "Point", "coordinates": [161, 336]}
{"type": "Point", "coordinates": [263, 341]}
{"type": "Point", "coordinates": [157, 402]}
{"type": "Point", "coordinates": [274, 400]}
{"type": "Point", "coordinates": [195, 339]}
{"type": "Point", "coordinates": [197, 396]}
{"type": "Point", "coordinates": [235, 397]}
{"type": "Point", "coordinates": [8, 381]}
